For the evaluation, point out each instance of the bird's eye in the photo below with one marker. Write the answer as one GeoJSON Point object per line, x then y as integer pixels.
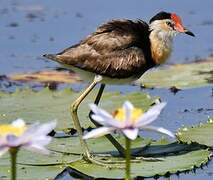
{"type": "Point", "coordinates": [169, 23]}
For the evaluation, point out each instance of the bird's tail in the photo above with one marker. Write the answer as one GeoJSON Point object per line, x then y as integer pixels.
{"type": "Point", "coordinates": [51, 56]}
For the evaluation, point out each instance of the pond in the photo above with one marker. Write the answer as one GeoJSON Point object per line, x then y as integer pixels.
{"type": "Point", "coordinates": [29, 29]}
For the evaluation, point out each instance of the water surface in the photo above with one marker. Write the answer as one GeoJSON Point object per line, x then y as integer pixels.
{"type": "Point", "coordinates": [30, 28]}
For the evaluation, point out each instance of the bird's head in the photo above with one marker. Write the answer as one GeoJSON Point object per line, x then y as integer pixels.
{"type": "Point", "coordinates": [163, 27]}
{"type": "Point", "coordinates": [168, 23]}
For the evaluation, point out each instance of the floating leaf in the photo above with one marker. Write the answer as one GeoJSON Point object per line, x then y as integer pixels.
{"type": "Point", "coordinates": [99, 145]}
{"type": "Point", "coordinates": [186, 157]}
{"type": "Point", "coordinates": [30, 164]}
{"type": "Point", "coordinates": [180, 75]}
{"type": "Point", "coordinates": [183, 162]}
{"type": "Point", "coordinates": [202, 134]}
{"type": "Point", "coordinates": [46, 76]}
{"type": "Point", "coordinates": [67, 153]}
{"type": "Point", "coordinates": [31, 172]}
{"type": "Point", "coordinates": [47, 105]}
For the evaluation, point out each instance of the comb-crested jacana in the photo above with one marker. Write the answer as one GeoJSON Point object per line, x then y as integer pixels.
{"type": "Point", "coordinates": [119, 51]}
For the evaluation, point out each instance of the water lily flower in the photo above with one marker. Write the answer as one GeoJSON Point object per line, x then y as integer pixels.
{"type": "Point", "coordinates": [128, 120]}
{"type": "Point", "coordinates": [17, 135]}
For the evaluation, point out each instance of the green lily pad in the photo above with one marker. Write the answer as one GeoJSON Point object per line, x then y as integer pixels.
{"type": "Point", "coordinates": [36, 159]}
{"type": "Point", "coordinates": [202, 134]}
{"type": "Point", "coordinates": [183, 162]}
{"type": "Point", "coordinates": [66, 152]}
{"type": "Point", "coordinates": [140, 146]}
{"type": "Point", "coordinates": [29, 164]}
{"type": "Point", "coordinates": [186, 157]}
{"type": "Point", "coordinates": [180, 75]}
{"type": "Point", "coordinates": [31, 172]}
{"type": "Point", "coordinates": [47, 105]}
{"type": "Point", "coordinates": [46, 76]}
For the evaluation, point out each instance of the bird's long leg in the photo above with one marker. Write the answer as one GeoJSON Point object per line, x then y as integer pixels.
{"type": "Point", "coordinates": [100, 92]}
{"type": "Point", "coordinates": [116, 144]}
{"type": "Point", "coordinates": [74, 109]}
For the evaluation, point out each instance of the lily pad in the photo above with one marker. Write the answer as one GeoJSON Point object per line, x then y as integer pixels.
{"type": "Point", "coordinates": [46, 76]}
{"type": "Point", "coordinates": [31, 172]}
{"type": "Point", "coordinates": [99, 145]}
{"type": "Point", "coordinates": [202, 134]}
{"type": "Point", "coordinates": [183, 162]}
{"type": "Point", "coordinates": [30, 164]}
{"type": "Point", "coordinates": [180, 75]}
{"type": "Point", "coordinates": [66, 152]}
{"type": "Point", "coordinates": [47, 105]}
{"type": "Point", "coordinates": [140, 146]}
{"type": "Point", "coordinates": [186, 157]}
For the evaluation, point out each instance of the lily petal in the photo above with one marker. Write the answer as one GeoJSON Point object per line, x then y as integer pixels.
{"type": "Point", "coordinates": [12, 140]}
{"type": "Point", "coordinates": [96, 110]}
{"type": "Point", "coordinates": [42, 140]}
{"type": "Point", "coordinates": [106, 122]}
{"type": "Point", "coordinates": [34, 137]}
{"type": "Point", "coordinates": [98, 132]}
{"type": "Point", "coordinates": [131, 133]}
{"type": "Point", "coordinates": [45, 128]}
{"type": "Point", "coordinates": [3, 141]}
{"type": "Point", "coordinates": [37, 131]}
{"type": "Point", "coordinates": [159, 130]}
{"type": "Point", "coordinates": [18, 123]}
{"type": "Point", "coordinates": [150, 115]}
{"type": "Point", "coordinates": [127, 106]}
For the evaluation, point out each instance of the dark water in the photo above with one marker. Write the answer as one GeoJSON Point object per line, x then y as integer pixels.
{"type": "Point", "coordinates": [30, 28]}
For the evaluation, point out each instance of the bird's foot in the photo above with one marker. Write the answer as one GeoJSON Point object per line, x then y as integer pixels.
{"type": "Point", "coordinates": [103, 161]}
{"type": "Point", "coordinates": [108, 161]}
{"type": "Point", "coordinates": [150, 159]}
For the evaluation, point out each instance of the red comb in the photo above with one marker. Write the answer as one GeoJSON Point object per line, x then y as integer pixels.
{"type": "Point", "coordinates": [176, 18]}
{"type": "Point", "coordinates": [178, 22]}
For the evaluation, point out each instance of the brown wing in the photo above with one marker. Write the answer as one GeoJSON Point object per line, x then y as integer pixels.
{"type": "Point", "coordinates": [117, 49]}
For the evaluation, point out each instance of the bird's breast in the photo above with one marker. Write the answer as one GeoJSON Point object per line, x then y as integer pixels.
{"type": "Point", "coordinates": [161, 48]}
{"type": "Point", "coordinates": [160, 55]}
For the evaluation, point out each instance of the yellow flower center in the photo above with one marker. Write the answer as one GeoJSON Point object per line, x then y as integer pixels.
{"type": "Point", "coordinates": [6, 129]}
{"type": "Point", "coordinates": [135, 114]}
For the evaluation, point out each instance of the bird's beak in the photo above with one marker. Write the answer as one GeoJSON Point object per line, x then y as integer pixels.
{"type": "Point", "coordinates": [186, 31]}
{"type": "Point", "coordinates": [180, 28]}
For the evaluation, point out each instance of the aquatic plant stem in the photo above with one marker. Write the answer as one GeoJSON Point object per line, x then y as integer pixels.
{"type": "Point", "coordinates": [13, 157]}
{"type": "Point", "coordinates": [128, 158]}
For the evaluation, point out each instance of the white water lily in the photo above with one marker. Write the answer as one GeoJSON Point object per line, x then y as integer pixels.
{"type": "Point", "coordinates": [18, 135]}
{"type": "Point", "coordinates": [128, 120]}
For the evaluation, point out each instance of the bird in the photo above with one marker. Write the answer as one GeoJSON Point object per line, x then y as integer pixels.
{"type": "Point", "coordinates": [120, 51]}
